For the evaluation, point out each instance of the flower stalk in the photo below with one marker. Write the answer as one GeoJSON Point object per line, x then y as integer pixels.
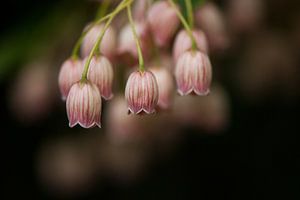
{"type": "Point", "coordinates": [185, 24]}
{"type": "Point", "coordinates": [112, 15]}
{"type": "Point", "coordinates": [138, 45]}
{"type": "Point", "coordinates": [190, 14]}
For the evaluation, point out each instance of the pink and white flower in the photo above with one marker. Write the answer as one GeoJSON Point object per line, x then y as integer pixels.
{"type": "Point", "coordinates": [84, 105]}
{"type": "Point", "coordinates": [183, 43]}
{"type": "Point", "coordinates": [101, 74]}
{"type": "Point", "coordinates": [163, 22]}
{"type": "Point", "coordinates": [165, 86]}
{"type": "Point", "coordinates": [193, 73]}
{"type": "Point", "coordinates": [141, 92]}
{"type": "Point", "coordinates": [108, 44]}
{"type": "Point", "coordinates": [127, 42]}
{"type": "Point", "coordinates": [70, 73]}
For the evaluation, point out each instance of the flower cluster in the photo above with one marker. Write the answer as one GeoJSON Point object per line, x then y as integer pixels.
{"type": "Point", "coordinates": [88, 75]}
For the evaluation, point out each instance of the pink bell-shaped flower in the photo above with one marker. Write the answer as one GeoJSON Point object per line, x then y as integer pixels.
{"type": "Point", "coordinates": [163, 22]}
{"type": "Point", "coordinates": [193, 73]}
{"type": "Point", "coordinates": [183, 43]}
{"type": "Point", "coordinates": [101, 74]}
{"type": "Point", "coordinates": [107, 46]}
{"type": "Point", "coordinates": [165, 86]}
{"type": "Point", "coordinates": [141, 92]}
{"type": "Point", "coordinates": [84, 105]}
{"type": "Point", "coordinates": [70, 73]}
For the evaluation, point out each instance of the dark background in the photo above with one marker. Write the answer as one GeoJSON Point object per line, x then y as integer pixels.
{"type": "Point", "coordinates": [257, 157]}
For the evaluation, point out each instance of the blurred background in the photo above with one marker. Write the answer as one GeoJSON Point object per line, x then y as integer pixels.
{"type": "Point", "coordinates": [241, 142]}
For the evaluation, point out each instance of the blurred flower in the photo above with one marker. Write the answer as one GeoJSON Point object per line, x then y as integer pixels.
{"type": "Point", "coordinates": [140, 8]}
{"type": "Point", "coordinates": [122, 127]}
{"type": "Point", "coordinates": [183, 43]}
{"type": "Point", "coordinates": [268, 68]}
{"type": "Point", "coordinates": [193, 73]}
{"type": "Point", "coordinates": [141, 92]}
{"type": "Point", "coordinates": [84, 105]}
{"type": "Point", "coordinates": [211, 20]}
{"type": "Point", "coordinates": [33, 92]}
{"type": "Point", "coordinates": [69, 74]}
{"type": "Point", "coordinates": [163, 22]}
{"type": "Point", "coordinates": [165, 86]}
{"type": "Point", "coordinates": [127, 43]}
{"type": "Point", "coordinates": [211, 113]}
{"type": "Point", "coordinates": [64, 167]}
{"type": "Point", "coordinates": [108, 44]}
{"type": "Point", "coordinates": [245, 15]}
{"type": "Point", "coordinates": [101, 74]}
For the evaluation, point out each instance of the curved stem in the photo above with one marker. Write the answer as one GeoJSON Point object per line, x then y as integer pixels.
{"type": "Point", "coordinates": [138, 45]}
{"type": "Point", "coordinates": [190, 14]}
{"type": "Point", "coordinates": [77, 46]}
{"type": "Point", "coordinates": [120, 7]}
{"type": "Point", "coordinates": [185, 24]}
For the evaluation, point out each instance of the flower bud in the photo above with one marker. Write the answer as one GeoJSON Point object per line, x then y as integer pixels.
{"type": "Point", "coordinates": [141, 92]}
{"type": "Point", "coordinates": [84, 105]}
{"type": "Point", "coordinates": [193, 73]}
{"type": "Point", "coordinates": [183, 42]}
{"type": "Point", "coordinates": [163, 22]}
{"type": "Point", "coordinates": [127, 42]}
{"type": "Point", "coordinates": [101, 74]}
{"type": "Point", "coordinates": [165, 86]}
{"type": "Point", "coordinates": [107, 46]}
{"type": "Point", "coordinates": [69, 74]}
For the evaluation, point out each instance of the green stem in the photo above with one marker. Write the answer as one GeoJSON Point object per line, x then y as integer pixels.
{"type": "Point", "coordinates": [103, 9]}
{"type": "Point", "coordinates": [185, 24]}
{"type": "Point", "coordinates": [138, 45]}
{"type": "Point", "coordinates": [190, 14]}
{"type": "Point", "coordinates": [120, 7]}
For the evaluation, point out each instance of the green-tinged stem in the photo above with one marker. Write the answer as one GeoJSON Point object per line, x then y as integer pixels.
{"type": "Point", "coordinates": [120, 7]}
{"type": "Point", "coordinates": [190, 14]}
{"type": "Point", "coordinates": [185, 24]}
{"type": "Point", "coordinates": [138, 45]}
{"type": "Point", "coordinates": [77, 46]}
{"type": "Point", "coordinates": [103, 9]}
{"type": "Point", "coordinates": [76, 49]}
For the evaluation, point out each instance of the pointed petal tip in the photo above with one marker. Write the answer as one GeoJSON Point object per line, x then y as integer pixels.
{"type": "Point", "coordinates": [201, 93]}
{"type": "Point", "coordinates": [141, 111]}
{"type": "Point", "coordinates": [87, 126]}
{"type": "Point", "coordinates": [73, 124]}
{"type": "Point", "coordinates": [108, 97]}
{"type": "Point", "coordinates": [184, 93]}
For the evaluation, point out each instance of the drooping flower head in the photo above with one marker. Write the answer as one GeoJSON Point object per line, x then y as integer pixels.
{"type": "Point", "coordinates": [193, 73]}
{"type": "Point", "coordinates": [163, 22]}
{"type": "Point", "coordinates": [69, 74]}
{"type": "Point", "coordinates": [183, 43]}
{"type": "Point", "coordinates": [141, 92]}
{"type": "Point", "coordinates": [84, 105]}
{"type": "Point", "coordinates": [101, 74]}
